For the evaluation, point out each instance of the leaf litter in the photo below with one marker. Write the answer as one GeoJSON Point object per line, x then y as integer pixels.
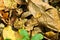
{"type": "Point", "coordinates": [29, 20]}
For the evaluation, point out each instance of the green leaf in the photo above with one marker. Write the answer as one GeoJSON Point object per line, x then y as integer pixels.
{"type": "Point", "coordinates": [37, 37]}
{"type": "Point", "coordinates": [23, 32]}
{"type": "Point", "coordinates": [18, 39]}
{"type": "Point", "coordinates": [25, 38]}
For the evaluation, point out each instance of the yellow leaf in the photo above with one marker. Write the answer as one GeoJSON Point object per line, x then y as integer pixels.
{"type": "Point", "coordinates": [8, 33]}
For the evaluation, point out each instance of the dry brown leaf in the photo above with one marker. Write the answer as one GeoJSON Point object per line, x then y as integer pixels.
{"type": "Point", "coordinates": [4, 15]}
{"type": "Point", "coordinates": [51, 35]}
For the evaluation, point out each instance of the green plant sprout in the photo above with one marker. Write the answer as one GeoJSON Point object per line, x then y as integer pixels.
{"type": "Point", "coordinates": [25, 35]}
{"type": "Point", "coordinates": [37, 37]}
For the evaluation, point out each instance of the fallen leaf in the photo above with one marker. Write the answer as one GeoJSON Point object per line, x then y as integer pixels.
{"type": "Point", "coordinates": [9, 33]}
{"type": "Point", "coordinates": [3, 15]}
